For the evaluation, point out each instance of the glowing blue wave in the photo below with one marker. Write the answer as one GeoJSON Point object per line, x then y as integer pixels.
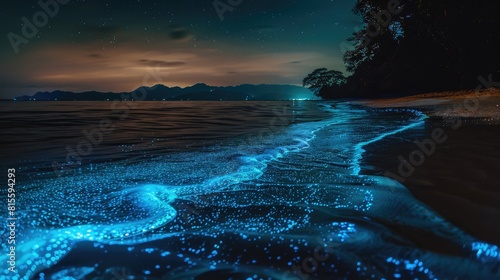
{"type": "Point", "coordinates": [283, 197]}
{"type": "Point", "coordinates": [358, 148]}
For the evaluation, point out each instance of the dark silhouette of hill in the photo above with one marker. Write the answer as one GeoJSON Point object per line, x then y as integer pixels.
{"type": "Point", "coordinates": [198, 91]}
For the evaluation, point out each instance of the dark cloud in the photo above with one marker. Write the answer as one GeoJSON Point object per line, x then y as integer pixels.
{"type": "Point", "coordinates": [161, 63]}
{"type": "Point", "coordinates": [179, 34]}
{"type": "Point", "coordinates": [94, 55]}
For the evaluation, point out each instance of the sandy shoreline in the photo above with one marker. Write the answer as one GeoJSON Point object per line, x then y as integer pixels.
{"type": "Point", "coordinates": [478, 104]}
{"type": "Point", "coordinates": [459, 179]}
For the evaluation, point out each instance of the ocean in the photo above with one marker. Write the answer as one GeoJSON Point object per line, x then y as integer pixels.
{"type": "Point", "coordinates": [220, 190]}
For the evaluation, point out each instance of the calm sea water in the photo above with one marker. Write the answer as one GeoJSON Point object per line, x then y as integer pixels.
{"type": "Point", "coordinates": [220, 190]}
{"type": "Point", "coordinates": [38, 132]}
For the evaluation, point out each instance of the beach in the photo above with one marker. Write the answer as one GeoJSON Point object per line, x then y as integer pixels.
{"type": "Point", "coordinates": [459, 177]}
{"type": "Point", "coordinates": [280, 190]}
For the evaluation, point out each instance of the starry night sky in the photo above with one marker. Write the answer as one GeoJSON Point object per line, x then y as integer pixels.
{"type": "Point", "coordinates": [110, 45]}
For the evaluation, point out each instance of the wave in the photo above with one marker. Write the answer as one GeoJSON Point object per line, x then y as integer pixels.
{"type": "Point", "coordinates": [269, 206]}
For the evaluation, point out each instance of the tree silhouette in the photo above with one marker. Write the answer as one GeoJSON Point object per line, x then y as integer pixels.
{"type": "Point", "coordinates": [321, 78]}
{"type": "Point", "coordinates": [431, 45]}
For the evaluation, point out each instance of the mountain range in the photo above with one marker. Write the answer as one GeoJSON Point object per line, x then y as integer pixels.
{"type": "Point", "coordinates": [198, 91]}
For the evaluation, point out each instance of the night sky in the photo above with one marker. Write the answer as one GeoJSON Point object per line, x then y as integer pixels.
{"type": "Point", "coordinates": [110, 45]}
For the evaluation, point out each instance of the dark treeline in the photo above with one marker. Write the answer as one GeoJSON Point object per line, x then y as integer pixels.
{"type": "Point", "coordinates": [416, 46]}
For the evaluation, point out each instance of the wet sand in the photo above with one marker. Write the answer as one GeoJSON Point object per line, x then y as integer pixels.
{"type": "Point", "coordinates": [460, 177]}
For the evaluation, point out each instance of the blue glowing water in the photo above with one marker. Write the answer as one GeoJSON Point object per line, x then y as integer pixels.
{"type": "Point", "coordinates": [254, 203]}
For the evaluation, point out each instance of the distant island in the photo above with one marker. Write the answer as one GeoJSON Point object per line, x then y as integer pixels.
{"type": "Point", "coordinates": [198, 91]}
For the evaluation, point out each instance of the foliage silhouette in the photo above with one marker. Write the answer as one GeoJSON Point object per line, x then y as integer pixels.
{"type": "Point", "coordinates": [431, 45]}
